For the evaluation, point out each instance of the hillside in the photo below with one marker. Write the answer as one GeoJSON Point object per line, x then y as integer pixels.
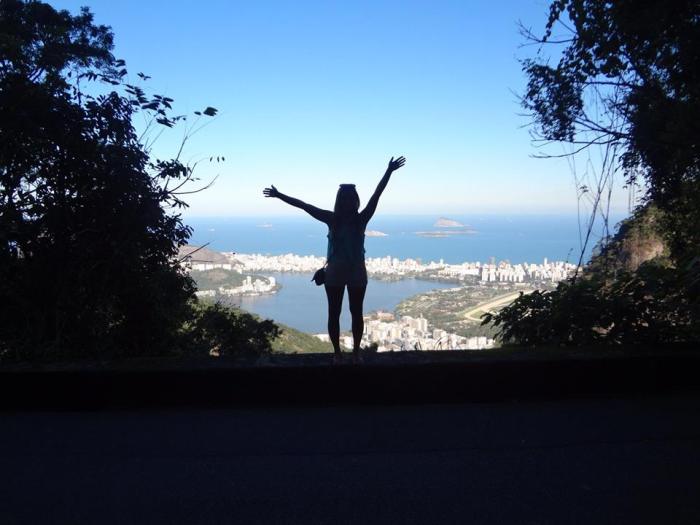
{"type": "Point", "coordinates": [200, 254]}
{"type": "Point", "coordinates": [213, 279]}
{"type": "Point", "coordinates": [293, 341]}
{"type": "Point", "coordinates": [290, 340]}
{"type": "Point", "coordinates": [639, 239]}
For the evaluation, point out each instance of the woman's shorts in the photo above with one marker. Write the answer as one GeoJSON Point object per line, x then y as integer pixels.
{"type": "Point", "coordinates": [342, 274]}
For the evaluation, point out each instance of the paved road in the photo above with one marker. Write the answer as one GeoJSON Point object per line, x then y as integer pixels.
{"type": "Point", "coordinates": [595, 461]}
{"type": "Point", "coordinates": [489, 306]}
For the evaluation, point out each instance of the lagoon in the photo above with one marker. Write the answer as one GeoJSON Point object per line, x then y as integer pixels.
{"type": "Point", "coordinates": [302, 305]}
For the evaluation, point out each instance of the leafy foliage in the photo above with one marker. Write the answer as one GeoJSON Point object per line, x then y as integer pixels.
{"type": "Point", "coordinates": [627, 76]}
{"type": "Point", "coordinates": [215, 329]}
{"type": "Point", "coordinates": [651, 305]}
{"type": "Point", "coordinates": [291, 341]}
{"type": "Point", "coordinates": [89, 222]}
{"type": "Point", "coordinates": [614, 301]}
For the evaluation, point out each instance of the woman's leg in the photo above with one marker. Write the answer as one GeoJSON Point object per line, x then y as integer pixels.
{"type": "Point", "coordinates": [356, 294]}
{"type": "Point", "coordinates": [335, 303]}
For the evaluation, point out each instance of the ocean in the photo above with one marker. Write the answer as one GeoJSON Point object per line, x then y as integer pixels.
{"type": "Point", "coordinates": [516, 238]}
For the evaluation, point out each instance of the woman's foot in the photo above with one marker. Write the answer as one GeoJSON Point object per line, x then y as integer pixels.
{"type": "Point", "coordinates": [357, 357]}
{"type": "Point", "coordinates": [338, 358]}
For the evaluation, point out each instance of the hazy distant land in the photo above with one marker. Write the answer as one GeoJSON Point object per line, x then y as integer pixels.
{"type": "Point", "coordinates": [444, 222]}
{"type": "Point", "coordinates": [446, 233]}
{"type": "Point", "coordinates": [375, 233]}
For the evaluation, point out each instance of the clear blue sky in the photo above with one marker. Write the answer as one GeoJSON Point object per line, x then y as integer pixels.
{"type": "Point", "coordinates": [313, 94]}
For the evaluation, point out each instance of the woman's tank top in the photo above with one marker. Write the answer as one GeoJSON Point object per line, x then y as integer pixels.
{"type": "Point", "coordinates": [346, 243]}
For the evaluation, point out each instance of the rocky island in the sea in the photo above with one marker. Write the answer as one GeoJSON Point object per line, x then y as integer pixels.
{"type": "Point", "coordinates": [446, 233]}
{"type": "Point", "coordinates": [375, 233]}
{"type": "Point", "coordinates": [444, 222]}
{"type": "Point", "coordinates": [448, 228]}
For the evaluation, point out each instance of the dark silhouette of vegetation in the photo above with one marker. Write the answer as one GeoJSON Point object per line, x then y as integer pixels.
{"type": "Point", "coordinates": [89, 222]}
{"type": "Point", "coordinates": [616, 300]}
{"type": "Point", "coordinates": [214, 329]}
{"type": "Point", "coordinates": [626, 81]}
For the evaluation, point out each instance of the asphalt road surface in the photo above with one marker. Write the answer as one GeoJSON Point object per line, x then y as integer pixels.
{"type": "Point", "coordinates": [590, 462]}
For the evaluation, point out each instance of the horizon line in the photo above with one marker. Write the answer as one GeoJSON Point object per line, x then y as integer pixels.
{"type": "Point", "coordinates": [302, 215]}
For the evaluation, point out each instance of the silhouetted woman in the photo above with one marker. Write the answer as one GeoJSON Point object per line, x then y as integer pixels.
{"type": "Point", "coordinates": [346, 252]}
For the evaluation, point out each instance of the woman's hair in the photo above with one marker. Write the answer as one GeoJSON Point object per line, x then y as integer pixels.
{"type": "Point", "coordinates": [347, 202]}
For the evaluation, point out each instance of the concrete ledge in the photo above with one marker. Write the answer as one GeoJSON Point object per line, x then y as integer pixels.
{"type": "Point", "coordinates": [449, 377]}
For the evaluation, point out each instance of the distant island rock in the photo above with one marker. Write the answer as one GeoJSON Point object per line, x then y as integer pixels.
{"type": "Point", "coordinates": [375, 233]}
{"type": "Point", "coordinates": [444, 222]}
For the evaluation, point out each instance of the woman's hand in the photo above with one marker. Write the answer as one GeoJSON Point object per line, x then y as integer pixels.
{"type": "Point", "coordinates": [271, 191]}
{"type": "Point", "coordinates": [395, 164]}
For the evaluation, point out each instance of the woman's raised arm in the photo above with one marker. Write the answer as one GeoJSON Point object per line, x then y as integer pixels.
{"type": "Point", "coordinates": [316, 213]}
{"type": "Point", "coordinates": [371, 207]}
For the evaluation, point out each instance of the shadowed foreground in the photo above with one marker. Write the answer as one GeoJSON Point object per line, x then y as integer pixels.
{"type": "Point", "coordinates": [577, 461]}
{"type": "Point", "coordinates": [392, 378]}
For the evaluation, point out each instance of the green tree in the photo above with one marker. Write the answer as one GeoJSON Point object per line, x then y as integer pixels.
{"type": "Point", "coordinates": [622, 76]}
{"type": "Point", "coordinates": [627, 75]}
{"type": "Point", "coordinates": [90, 224]}
{"type": "Point", "coordinates": [215, 329]}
